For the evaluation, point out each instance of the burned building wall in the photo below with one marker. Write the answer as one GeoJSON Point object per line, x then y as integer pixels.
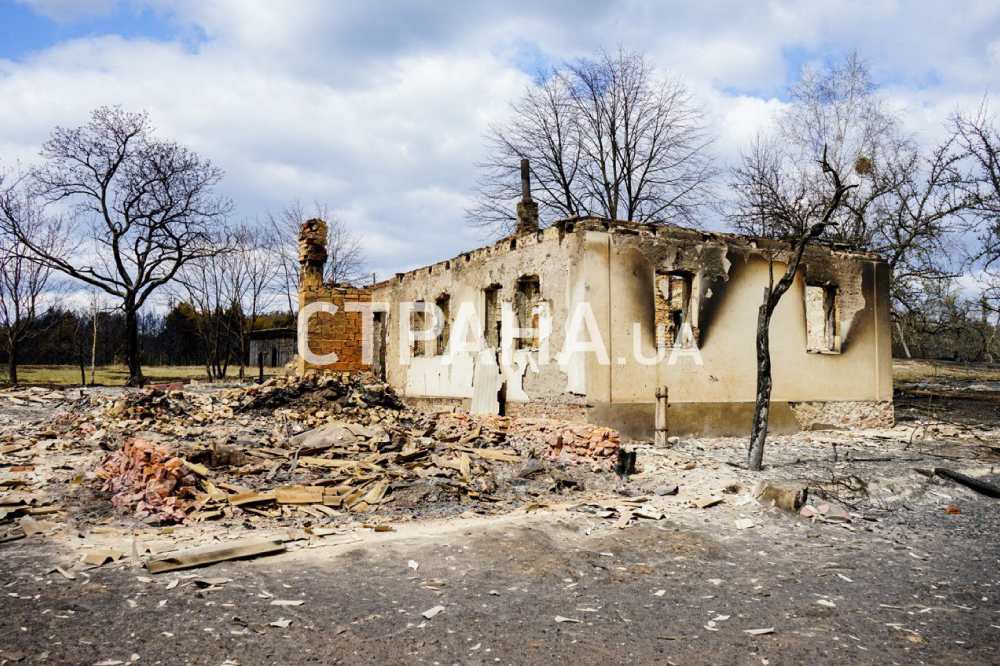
{"type": "Point", "coordinates": [275, 346]}
{"type": "Point", "coordinates": [703, 288]}
{"type": "Point", "coordinates": [848, 384]}
{"type": "Point", "coordinates": [529, 274]}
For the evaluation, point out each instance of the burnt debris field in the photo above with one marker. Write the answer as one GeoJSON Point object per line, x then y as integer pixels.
{"type": "Point", "coordinates": [321, 520]}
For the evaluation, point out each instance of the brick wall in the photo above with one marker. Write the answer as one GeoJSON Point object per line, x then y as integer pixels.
{"type": "Point", "coordinates": [339, 333]}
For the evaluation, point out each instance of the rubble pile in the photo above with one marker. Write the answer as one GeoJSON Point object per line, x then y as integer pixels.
{"type": "Point", "coordinates": [348, 445]}
{"type": "Point", "coordinates": [356, 397]}
{"type": "Point", "coordinates": [310, 448]}
{"type": "Point", "coordinates": [569, 442]}
{"type": "Point", "coordinates": [545, 439]}
{"type": "Point", "coordinates": [315, 474]}
{"type": "Point", "coordinates": [484, 429]}
{"type": "Point", "coordinates": [151, 404]}
{"type": "Point", "coordinates": [33, 394]}
{"type": "Point", "coordinates": [295, 403]}
{"type": "Point", "coordinates": [150, 480]}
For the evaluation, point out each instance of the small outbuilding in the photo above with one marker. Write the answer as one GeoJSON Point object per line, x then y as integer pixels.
{"type": "Point", "coordinates": [276, 344]}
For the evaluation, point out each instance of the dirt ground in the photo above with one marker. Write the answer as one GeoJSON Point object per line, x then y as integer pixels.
{"type": "Point", "coordinates": [903, 582]}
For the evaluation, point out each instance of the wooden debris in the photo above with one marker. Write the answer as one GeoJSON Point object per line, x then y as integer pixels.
{"type": "Point", "coordinates": [785, 495]}
{"type": "Point", "coordinates": [649, 512]}
{"type": "Point", "coordinates": [100, 557]}
{"type": "Point", "coordinates": [31, 526]}
{"type": "Point", "coordinates": [251, 497]}
{"type": "Point", "coordinates": [299, 495]}
{"type": "Point", "coordinates": [196, 557]}
{"type": "Point", "coordinates": [705, 502]}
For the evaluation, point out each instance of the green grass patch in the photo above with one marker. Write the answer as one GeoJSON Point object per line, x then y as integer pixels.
{"type": "Point", "coordinates": [116, 375]}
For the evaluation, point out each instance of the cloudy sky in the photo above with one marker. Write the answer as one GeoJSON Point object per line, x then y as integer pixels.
{"type": "Point", "coordinates": [377, 108]}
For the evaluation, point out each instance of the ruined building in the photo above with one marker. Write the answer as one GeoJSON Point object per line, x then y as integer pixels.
{"type": "Point", "coordinates": [691, 295]}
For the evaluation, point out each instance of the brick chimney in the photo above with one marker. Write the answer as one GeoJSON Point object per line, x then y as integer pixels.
{"type": "Point", "coordinates": [312, 253]}
{"type": "Point", "coordinates": [527, 210]}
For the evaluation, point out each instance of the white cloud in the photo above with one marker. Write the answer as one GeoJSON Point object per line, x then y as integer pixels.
{"type": "Point", "coordinates": [377, 109]}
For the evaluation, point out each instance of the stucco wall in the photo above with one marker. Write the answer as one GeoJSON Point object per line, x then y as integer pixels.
{"type": "Point", "coordinates": [555, 258]}
{"type": "Point", "coordinates": [731, 282]}
{"type": "Point", "coordinates": [611, 267]}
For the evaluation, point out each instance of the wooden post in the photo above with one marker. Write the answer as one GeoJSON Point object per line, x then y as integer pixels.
{"type": "Point", "coordinates": [660, 438]}
{"type": "Point", "coordinates": [260, 365]}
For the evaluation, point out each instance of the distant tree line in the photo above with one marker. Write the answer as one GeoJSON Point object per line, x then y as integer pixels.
{"type": "Point", "coordinates": [63, 336]}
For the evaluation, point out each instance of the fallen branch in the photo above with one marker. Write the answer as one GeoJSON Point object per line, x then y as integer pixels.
{"type": "Point", "coordinates": [948, 457]}
{"type": "Point", "coordinates": [980, 486]}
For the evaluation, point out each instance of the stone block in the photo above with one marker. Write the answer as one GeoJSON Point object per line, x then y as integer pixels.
{"type": "Point", "coordinates": [787, 495]}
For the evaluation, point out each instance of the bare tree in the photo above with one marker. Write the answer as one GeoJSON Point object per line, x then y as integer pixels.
{"type": "Point", "coordinates": [979, 136]}
{"type": "Point", "coordinates": [284, 230]}
{"type": "Point", "coordinates": [24, 282]}
{"type": "Point", "coordinates": [252, 275]}
{"type": "Point", "coordinates": [607, 136]}
{"type": "Point", "coordinates": [345, 253]}
{"type": "Point", "coordinates": [229, 291]}
{"type": "Point", "coordinates": [205, 285]}
{"type": "Point", "coordinates": [98, 306]}
{"type": "Point", "coordinates": [906, 206]}
{"type": "Point", "coordinates": [81, 330]}
{"type": "Point", "coordinates": [545, 129]}
{"type": "Point", "coordinates": [785, 211]}
{"type": "Point", "coordinates": [792, 183]}
{"type": "Point", "coordinates": [990, 306]}
{"type": "Point", "coordinates": [144, 208]}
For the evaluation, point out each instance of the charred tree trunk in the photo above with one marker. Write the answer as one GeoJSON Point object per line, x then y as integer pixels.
{"type": "Point", "coordinates": [762, 408]}
{"type": "Point", "coordinates": [132, 359]}
{"type": "Point", "coordinates": [773, 294]}
{"type": "Point", "coordinates": [12, 362]}
{"type": "Point", "coordinates": [979, 485]}
{"type": "Point", "coordinates": [93, 352]}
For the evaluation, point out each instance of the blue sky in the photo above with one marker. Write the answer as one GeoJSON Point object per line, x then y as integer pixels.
{"type": "Point", "coordinates": [377, 109]}
{"type": "Point", "coordinates": [26, 30]}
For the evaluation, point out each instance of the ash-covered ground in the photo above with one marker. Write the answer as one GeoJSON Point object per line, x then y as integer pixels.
{"type": "Point", "coordinates": [568, 563]}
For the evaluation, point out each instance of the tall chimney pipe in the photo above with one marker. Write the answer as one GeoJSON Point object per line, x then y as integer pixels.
{"type": "Point", "coordinates": [527, 210]}
{"type": "Point", "coordinates": [525, 181]}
